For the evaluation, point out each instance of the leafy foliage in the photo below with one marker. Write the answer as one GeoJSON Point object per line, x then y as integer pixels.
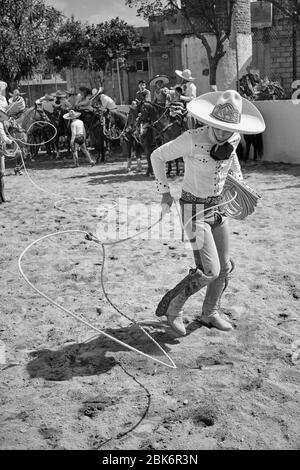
{"type": "Point", "coordinates": [201, 16]}
{"type": "Point", "coordinates": [254, 88]}
{"type": "Point", "coordinates": [26, 29]}
{"type": "Point", "coordinates": [92, 46]}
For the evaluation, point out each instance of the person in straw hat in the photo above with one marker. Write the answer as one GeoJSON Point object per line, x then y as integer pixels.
{"type": "Point", "coordinates": [3, 100]}
{"type": "Point", "coordinates": [78, 137]}
{"type": "Point", "coordinates": [17, 104]}
{"type": "Point", "coordinates": [209, 154]}
{"type": "Point", "coordinates": [189, 88]}
{"type": "Point", "coordinates": [159, 84]}
{"type": "Point", "coordinates": [189, 91]}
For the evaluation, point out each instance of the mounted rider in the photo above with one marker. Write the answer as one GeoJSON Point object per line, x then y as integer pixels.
{"type": "Point", "coordinates": [189, 91]}
{"type": "Point", "coordinates": [61, 104]}
{"type": "Point", "coordinates": [16, 105]}
{"type": "Point", "coordinates": [176, 104]}
{"type": "Point", "coordinates": [84, 101]}
{"type": "Point", "coordinates": [159, 82]}
{"type": "Point", "coordinates": [3, 100]}
{"type": "Point", "coordinates": [142, 95]}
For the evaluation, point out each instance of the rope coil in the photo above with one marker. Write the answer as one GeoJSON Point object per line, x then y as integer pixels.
{"type": "Point", "coordinates": [240, 199]}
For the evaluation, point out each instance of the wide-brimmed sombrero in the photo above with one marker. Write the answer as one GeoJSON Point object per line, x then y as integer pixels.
{"type": "Point", "coordinates": [71, 114]}
{"type": "Point", "coordinates": [71, 91]}
{"type": "Point", "coordinates": [186, 74]}
{"type": "Point", "coordinates": [16, 92]}
{"type": "Point", "coordinates": [227, 110]}
{"type": "Point", "coordinates": [158, 78]}
{"type": "Point", "coordinates": [3, 85]}
{"type": "Point", "coordinates": [59, 94]}
{"type": "Point", "coordinates": [3, 116]}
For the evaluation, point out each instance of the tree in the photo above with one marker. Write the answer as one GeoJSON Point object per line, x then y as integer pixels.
{"type": "Point", "coordinates": [26, 28]}
{"type": "Point", "coordinates": [202, 16]}
{"type": "Point", "coordinates": [92, 46]}
{"type": "Point", "coordinates": [290, 9]}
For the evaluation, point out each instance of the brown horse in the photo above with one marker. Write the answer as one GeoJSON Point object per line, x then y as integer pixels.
{"type": "Point", "coordinates": [158, 128]}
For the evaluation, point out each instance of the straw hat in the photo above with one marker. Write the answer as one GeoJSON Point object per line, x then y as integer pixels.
{"type": "Point", "coordinates": [71, 114]}
{"type": "Point", "coordinates": [185, 74]}
{"type": "Point", "coordinates": [71, 91]}
{"type": "Point", "coordinates": [59, 94]}
{"type": "Point", "coordinates": [3, 85]}
{"type": "Point", "coordinates": [157, 78]}
{"type": "Point", "coordinates": [227, 110]}
{"type": "Point", "coordinates": [16, 92]}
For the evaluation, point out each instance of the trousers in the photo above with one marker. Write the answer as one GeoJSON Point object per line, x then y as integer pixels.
{"type": "Point", "coordinates": [208, 234]}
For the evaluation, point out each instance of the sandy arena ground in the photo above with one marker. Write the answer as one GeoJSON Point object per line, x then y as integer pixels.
{"type": "Point", "coordinates": [236, 390]}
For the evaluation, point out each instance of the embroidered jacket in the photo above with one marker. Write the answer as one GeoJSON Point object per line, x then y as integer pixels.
{"type": "Point", "coordinates": [204, 176]}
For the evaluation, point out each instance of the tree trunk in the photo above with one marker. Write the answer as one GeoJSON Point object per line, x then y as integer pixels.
{"type": "Point", "coordinates": [213, 65]}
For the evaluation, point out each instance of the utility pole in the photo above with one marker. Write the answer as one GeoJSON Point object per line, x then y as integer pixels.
{"type": "Point", "coordinates": [119, 81]}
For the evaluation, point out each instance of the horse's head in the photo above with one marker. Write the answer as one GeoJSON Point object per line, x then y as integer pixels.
{"type": "Point", "coordinates": [39, 114]}
{"type": "Point", "coordinates": [148, 112]}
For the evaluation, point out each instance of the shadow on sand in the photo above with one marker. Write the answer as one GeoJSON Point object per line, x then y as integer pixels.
{"type": "Point", "coordinates": [90, 358]}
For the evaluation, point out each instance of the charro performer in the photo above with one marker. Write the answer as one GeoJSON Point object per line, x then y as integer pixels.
{"type": "Point", "coordinates": [209, 154]}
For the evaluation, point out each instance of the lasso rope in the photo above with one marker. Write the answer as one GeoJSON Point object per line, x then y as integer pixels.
{"type": "Point", "coordinates": [93, 238]}
{"type": "Point", "coordinates": [90, 325]}
{"type": "Point", "coordinates": [245, 201]}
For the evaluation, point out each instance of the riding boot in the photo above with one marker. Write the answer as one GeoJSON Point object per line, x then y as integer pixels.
{"type": "Point", "coordinates": [173, 301]}
{"type": "Point", "coordinates": [211, 306]}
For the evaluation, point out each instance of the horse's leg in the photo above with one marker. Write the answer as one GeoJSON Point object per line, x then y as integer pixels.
{"type": "Point", "coordinates": [138, 154]}
{"type": "Point", "coordinates": [248, 146]}
{"type": "Point", "coordinates": [128, 145]}
{"type": "Point", "coordinates": [169, 170]}
{"type": "Point", "coordinates": [2, 175]}
{"type": "Point", "coordinates": [147, 147]}
{"type": "Point", "coordinates": [149, 169]}
{"type": "Point", "coordinates": [177, 166]}
{"type": "Point", "coordinates": [57, 155]}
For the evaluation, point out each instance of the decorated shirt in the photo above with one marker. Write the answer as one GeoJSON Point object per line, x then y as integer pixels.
{"type": "Point", "coordinates": [190, 90]}
{"type": "Point", "coordinates": [203, 175]}
{"type": "Point", "coordinates": [107, 102]}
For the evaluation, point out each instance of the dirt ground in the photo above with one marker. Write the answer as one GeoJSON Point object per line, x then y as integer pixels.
{"type": "Point", "coordinates": [63, 388]}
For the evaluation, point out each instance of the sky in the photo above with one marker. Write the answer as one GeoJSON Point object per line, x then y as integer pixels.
{"type": "Point", "coordinates": [96, 11]}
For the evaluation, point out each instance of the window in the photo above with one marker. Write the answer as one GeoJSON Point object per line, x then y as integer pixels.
{"type": "Point", "coordinates": [142, 65]}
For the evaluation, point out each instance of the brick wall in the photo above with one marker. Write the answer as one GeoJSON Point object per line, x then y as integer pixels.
{"type": "Point", "coordinates": [273, 51]}
{"type": "Point", "coordinates": [242, 17]}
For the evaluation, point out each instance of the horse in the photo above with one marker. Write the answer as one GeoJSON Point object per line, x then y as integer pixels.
{"type": "Point", "coordinates": [35, 123]}
{"type": "Point", "coordinates": [62, 130]}
{"type": "Point", "coordinates": [244, 147]}
{"type": "Point", "coordinates": [131, 139]}
{"type": "Point", "coordinates": [157, 129]}
{"type": "Point", "coordinates": [94, 127]}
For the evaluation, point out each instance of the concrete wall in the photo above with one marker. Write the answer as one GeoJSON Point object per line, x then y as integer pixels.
{"type": "Point", "coordinates": [281, 138]}
{"type": "Point", "coordinates": [194, 57]}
